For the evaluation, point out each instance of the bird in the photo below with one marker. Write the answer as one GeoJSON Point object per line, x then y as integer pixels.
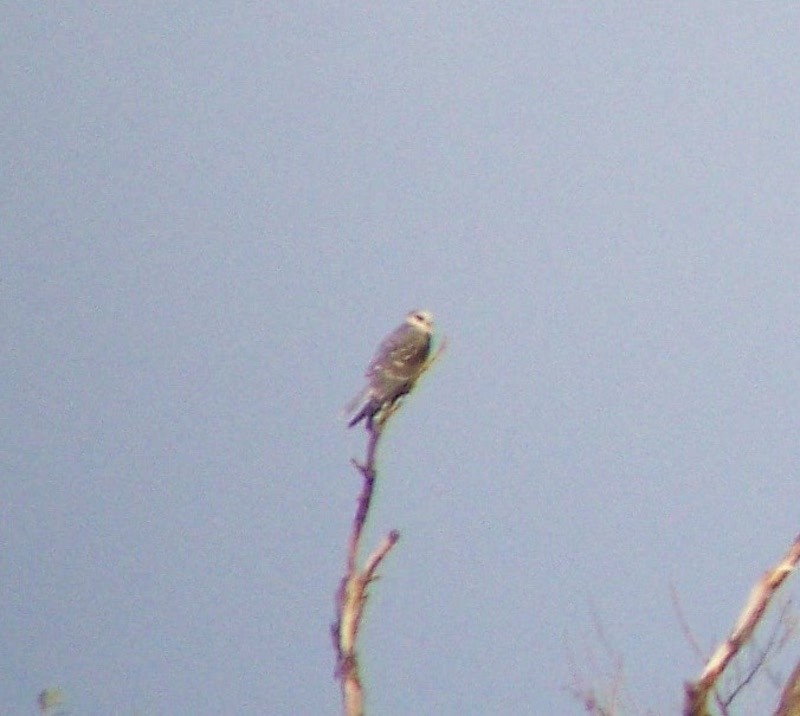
{"type": "Point", "coordinates": [398, 363]}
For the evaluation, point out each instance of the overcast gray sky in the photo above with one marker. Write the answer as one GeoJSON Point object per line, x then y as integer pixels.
{"type": "Point", "coordinates": [212, 213]}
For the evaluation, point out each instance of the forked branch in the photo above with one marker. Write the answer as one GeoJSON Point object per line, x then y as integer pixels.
{"type": "Point", "coordinates": [352, 593]}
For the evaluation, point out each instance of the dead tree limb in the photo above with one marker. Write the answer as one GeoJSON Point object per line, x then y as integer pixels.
{"type": "Point", "coordinates": [696, 697]}
{"type": "Point", "coordinates": [352, 593]}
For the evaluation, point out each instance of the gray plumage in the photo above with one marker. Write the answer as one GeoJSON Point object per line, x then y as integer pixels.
{"type": "Point", "coordinates": [394, 370]}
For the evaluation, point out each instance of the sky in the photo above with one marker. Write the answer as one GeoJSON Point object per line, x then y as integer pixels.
{"type": "Point", "coordinates": [212, 213]}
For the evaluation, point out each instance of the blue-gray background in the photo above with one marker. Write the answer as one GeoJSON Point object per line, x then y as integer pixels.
{"type": "Point", "coordinates": [211, 214]}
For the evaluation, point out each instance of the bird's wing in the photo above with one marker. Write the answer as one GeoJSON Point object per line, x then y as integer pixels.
{"type": "Point", "coordinates": [394, 349]}
{"type": "Point", "coordinates": [399, 359]}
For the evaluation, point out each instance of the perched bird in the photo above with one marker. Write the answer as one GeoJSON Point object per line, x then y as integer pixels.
{"type": "Point", "coordinates": [398, 362]}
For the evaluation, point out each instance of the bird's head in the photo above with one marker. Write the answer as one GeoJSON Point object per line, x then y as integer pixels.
{"type": "Point", "coordinates": [421, 320]}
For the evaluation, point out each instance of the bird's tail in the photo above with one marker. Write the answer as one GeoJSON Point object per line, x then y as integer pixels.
{"type": "Point", "coordinates": [368, 411]}
{"type": "Point", "coordinates": [360, 397]}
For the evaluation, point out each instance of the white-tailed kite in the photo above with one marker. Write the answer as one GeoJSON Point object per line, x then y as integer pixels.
{"type": "Point", "coordinates": [398, 362]}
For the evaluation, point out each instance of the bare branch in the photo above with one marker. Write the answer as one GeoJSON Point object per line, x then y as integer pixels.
{"type": "Point", "coordinates": [377, 556]}
{"type": "Point", "coordinates": [760, 597]}
{"type": "Point", "coordinates": [352, 593]}
{"type": "Point", "coordinates": [775, 643]}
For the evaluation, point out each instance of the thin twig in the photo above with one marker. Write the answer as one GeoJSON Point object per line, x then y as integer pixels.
{"type": "Point", "coordinates": [684, 623]}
